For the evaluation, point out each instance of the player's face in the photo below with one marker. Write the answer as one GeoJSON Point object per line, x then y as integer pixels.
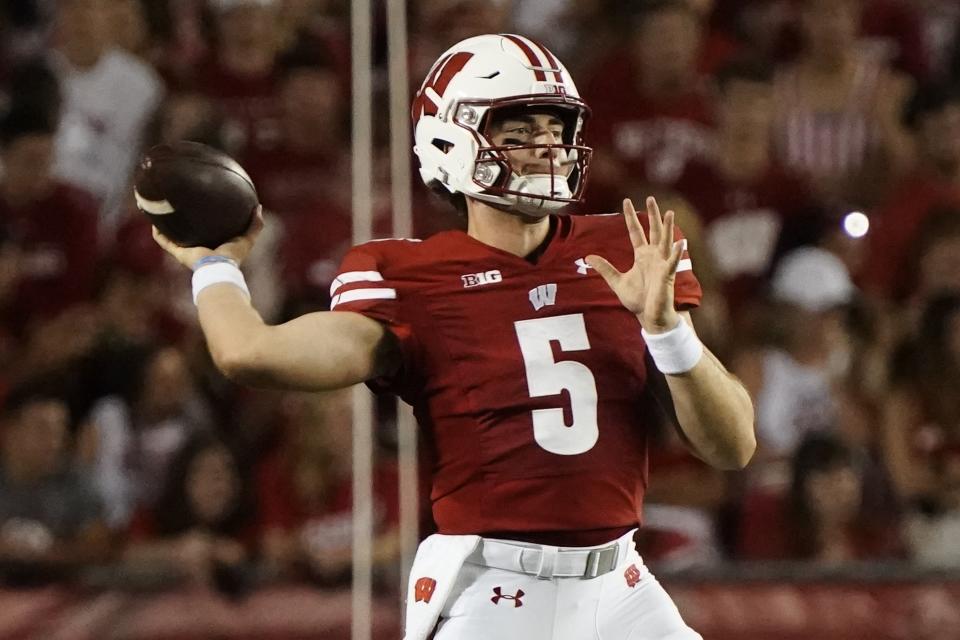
{"type": "Point", "coordinates": [532, 129]}
{"type": "Point", "coordinates": [746, 107]}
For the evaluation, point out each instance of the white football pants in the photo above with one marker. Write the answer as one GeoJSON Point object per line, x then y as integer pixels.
{"type": "Point", "coordinates": [477, 602]}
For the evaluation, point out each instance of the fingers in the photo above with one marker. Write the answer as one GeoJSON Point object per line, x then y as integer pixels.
{"type": "Point", "coordinates": [661, 226]}
{"type": "Point", "coordinates": [256, 225]}
{"type": "Point", "coordinates": [656, 222]}
{"type": "Point", "coordinates": [637, 237]}
{"type": "Point", "coordinates": [666, 241]}
{"type": "Point", "coordinates": [166, 243]}
{"type": "Point", "coordinates": [605, 269]}
{"type": "Point", "coordinates": [674, 260]}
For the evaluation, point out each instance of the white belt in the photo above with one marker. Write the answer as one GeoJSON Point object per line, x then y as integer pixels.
{"type": "Point", "coordinates": [548, 562]}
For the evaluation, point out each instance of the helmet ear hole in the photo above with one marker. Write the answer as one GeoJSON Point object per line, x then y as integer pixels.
{"type": "Point", "coordinates": [443, 145]}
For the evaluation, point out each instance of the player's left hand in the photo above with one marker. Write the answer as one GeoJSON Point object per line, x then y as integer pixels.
{"type": "Point", "coordinates": [646, 288]}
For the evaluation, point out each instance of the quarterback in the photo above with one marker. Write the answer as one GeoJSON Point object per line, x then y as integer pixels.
{"type": "Point", "coordinates": [529, 347]}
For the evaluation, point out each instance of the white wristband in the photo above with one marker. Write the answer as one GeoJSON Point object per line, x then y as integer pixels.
{"type": "Point", "coordinates": [675, 351]}
{"type": "Point", "coordinates": [215, 273]}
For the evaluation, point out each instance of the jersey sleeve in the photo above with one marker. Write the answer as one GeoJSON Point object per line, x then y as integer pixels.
{"type": "Point", "coordinates": [686, 288]}
{"type": "Point", "coordinates": [363, 286]}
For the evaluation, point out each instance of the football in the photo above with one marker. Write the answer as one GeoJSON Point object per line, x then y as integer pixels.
{"type": "Point", "coordinates": [194, 194]}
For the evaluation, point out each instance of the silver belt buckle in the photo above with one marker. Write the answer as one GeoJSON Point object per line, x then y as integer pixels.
{"type": "Point", "coordinates": [601, 561]}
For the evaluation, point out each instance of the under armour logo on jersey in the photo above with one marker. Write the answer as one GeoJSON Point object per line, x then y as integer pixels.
{"type": "Point", "coordinates": [423, 589]}
{"type": "Point", "coordinates": [632, 576]}
{"type": "Point", "coordinates": [582, 266]}
{"type": "Point", "coordinates": [543, 295]}
{"type": "Point", "coordinates": [498, 596]}
{"type": "Point", "coordinates": [484, 277]}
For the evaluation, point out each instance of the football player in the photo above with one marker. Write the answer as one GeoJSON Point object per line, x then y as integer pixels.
{"type": "Point", "coordinates": [522, 351]}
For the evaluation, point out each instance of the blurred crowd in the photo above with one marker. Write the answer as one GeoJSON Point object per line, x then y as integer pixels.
{"type": "Point", "coordinates": [811, 149]}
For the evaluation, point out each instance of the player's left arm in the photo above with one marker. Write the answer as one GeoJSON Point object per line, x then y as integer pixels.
{"type": "Point", "coordinates": [713, 408]}
{"type": "Point", "coordinates": [714, 411]}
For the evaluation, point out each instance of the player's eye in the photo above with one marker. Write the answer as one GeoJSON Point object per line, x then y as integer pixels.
{"type": "Point", "coordinates": [519, 131]}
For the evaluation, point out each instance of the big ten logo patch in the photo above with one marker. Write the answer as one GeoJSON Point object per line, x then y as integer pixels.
{"type": "Point", "coordinates": [478, 279]}
{"type": "Point", "coordinates": [632, 576]}
{"type": "Point", "coordinates": [423, 589]}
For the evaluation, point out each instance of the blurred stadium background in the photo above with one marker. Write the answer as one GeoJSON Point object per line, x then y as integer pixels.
{"type": "Point", "coordinates": [810, 147]}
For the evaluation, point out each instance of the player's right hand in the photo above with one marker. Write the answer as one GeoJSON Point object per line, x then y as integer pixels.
{"type": "Point", "coordinates": [236, 249]}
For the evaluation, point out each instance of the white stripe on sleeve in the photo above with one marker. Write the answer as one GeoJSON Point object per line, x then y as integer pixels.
{"type": "Point", "coordinates": [354, 276]}
{"type": "Point", "coordinates": [684, 265]}
{"type": "Point", "coordinates": [363, 294]}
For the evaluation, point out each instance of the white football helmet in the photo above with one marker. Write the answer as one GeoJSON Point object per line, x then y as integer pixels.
{"type": "Point", "coordinates": [451, 114]}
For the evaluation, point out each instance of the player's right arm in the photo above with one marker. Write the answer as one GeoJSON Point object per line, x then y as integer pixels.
{"type": "Point", "coordinates": [317, 351]}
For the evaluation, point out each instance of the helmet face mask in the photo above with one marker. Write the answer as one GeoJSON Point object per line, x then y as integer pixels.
{"type": "Point", "coordinates": [488, 79]}
{"type": "Point", "coordinates": [495, 172]}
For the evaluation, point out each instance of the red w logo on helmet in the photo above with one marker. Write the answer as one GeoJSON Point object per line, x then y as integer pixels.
{"type": "Point", "coordinates": [436, 83]}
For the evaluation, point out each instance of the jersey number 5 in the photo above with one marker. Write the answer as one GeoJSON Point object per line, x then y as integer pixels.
{"type": "Point", "coordinates": [548, 377]}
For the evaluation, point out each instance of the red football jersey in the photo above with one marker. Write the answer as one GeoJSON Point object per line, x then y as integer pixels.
{"type": "Point", "coordinates": [528, 379]}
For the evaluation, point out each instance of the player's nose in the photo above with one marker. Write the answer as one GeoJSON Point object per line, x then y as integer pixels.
{"type": "Point", "coordinates": [549, 153]}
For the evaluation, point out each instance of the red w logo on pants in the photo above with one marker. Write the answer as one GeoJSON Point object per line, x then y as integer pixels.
{"type": "Point", "coordinates": [500, 596]}
{"type": "Point", "coordinates": [423, 589]}
{"type": "Point", "coordinates": [632, 576]}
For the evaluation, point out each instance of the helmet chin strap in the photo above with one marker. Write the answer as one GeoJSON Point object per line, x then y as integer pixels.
{"type": "Point", "coordinates": [538, 184]}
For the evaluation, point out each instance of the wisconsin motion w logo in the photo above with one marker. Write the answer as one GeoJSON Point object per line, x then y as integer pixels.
{"type": "Point", "coordinates": [544, 295]}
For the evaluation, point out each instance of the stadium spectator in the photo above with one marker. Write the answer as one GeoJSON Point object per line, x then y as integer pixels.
{"type": "Point", "coordinates": [200, 526]}
{"type": "Point", "coordinates": [241, 76]}
{"type": "Point", "coordinates": [821, 519]}
{"type": "Point", "coordinates": [321, 24]}
{"type": "Point", "coordinates": [51, 519]}
{"type": "Point", "coordinates": [138, 439]}
{"type": "Point", "coordinates": [920, 415]}
{"type": "Point", "coordinates": [301, 174]}
{"type": "Point", "coordinates": [109, 98]}
{"type": "Point", "coordinates": [895, 30]}
{"type": "Point", "coordinates": [439, 22]}
{"type": "Point", "coordinates": [742, 193]}
{"type": "Point", "coordinates": [305, 494]}
{"type": "Point", "coordinates": [940, 22]}
{"type": "Point", "coordinates": [937, 256]}
{"type": "Point", "coordinates": [189, 115]}
{"type": "Point", "coordinates": [932, 533]}
{"type": "Point", "coordinates": [838, 108]}
{"type": "Point", "coordinates": [128, 28]}
{"type": "Point", "coordinates": [51, 225]}
{"type": "Point", "coordinates": [793, 378]}
{"type": "Point", "coordinates": [933, 114]}
{"type": "Point", "coordinates": [651, 108]}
